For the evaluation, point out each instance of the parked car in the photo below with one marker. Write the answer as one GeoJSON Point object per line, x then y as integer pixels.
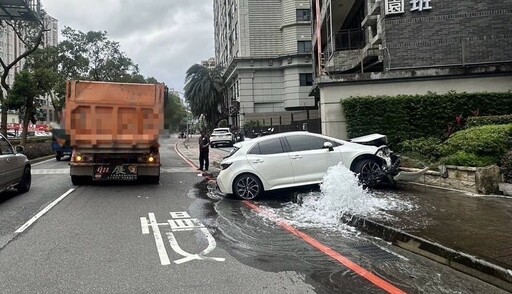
{"type": "Point", "coordinates": [14, 167]}
{"type": "Point", "coordinates": [221, 136]}
{"type": "Point", "coordinates": [299, 158]}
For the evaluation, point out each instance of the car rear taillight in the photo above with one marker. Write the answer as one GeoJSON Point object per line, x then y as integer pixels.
{"type": "Point", "coordinates": [225, 165]}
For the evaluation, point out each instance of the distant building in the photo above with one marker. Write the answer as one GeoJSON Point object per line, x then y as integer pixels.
{"type": "Point", "coordinates": [210, 63]}
{"type": "Point", "coordinates": [265, 48]}
{"type": "Point", "coordinates": [11, 47]}
{"type": "Point", "coordinates": [391, 47]}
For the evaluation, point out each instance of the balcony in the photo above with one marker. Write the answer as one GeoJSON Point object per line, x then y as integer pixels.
{"type": "Point", "coordinates": [349, 39]}
{"type": "Point", "coordinates": [351, 49]}
{"type": "Point", "coordinates": [27, 10]}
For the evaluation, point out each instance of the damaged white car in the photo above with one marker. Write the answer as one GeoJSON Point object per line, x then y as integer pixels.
{"type": "Point", "coordinates": [301, 158]}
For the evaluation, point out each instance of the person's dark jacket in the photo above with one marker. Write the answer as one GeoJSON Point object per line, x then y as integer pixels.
{"type": "Point", "coordinates": [204, 143]}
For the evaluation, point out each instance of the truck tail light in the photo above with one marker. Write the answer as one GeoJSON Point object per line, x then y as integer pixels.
{"type": "Point", "coordinates": [78, 157]}
{"type": "Point", "coordinates": [148, 158]}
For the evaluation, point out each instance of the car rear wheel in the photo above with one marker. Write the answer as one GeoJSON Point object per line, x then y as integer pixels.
{"type": "Point", "coordinates": [369, 172]}
{"type": "Point", "coordinates": [25, 182]}
{"type": "Point", "coordinates": [247, 187]}
{"type": "Point", "coordinates": [58, 156]}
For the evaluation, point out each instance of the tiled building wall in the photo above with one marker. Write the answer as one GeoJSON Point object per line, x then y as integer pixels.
{"type": "Point", "coordinates": [450, 33]}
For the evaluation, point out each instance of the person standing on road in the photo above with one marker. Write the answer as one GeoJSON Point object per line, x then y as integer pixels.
{"type": "Point", "coordinates": [204, 144]}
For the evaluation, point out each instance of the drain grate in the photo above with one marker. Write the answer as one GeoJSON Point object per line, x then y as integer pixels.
{"type": "Point", "coordinates": [375, 252]}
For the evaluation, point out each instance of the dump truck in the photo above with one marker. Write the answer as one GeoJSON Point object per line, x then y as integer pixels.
{"type": "Point", "coordinates": [114, 130]}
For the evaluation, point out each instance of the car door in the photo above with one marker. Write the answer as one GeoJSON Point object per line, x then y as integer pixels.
{"type": "Point", "coordinates": [271, 163]}
{"type": "Point", "coordinates": [7, 163]}
{"type": "Point", "coordinates": [310, 160]}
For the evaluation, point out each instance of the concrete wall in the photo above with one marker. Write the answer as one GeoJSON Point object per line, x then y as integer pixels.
{"type": "Point", "coordinates": [334, 122]}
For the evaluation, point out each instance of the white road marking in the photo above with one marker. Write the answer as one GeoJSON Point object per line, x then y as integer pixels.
{"type": "Point", "coordinates": [160, 247]}
{"type": "Point", "coordinates": [181, 222]}
{"type": "Point", "coordinates": [50, 171]}
{"type": "Point", "coordinates": [42, 212]}
{"type": "Point", "coordinates": [44, 161]}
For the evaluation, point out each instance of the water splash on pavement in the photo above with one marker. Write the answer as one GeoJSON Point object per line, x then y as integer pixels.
{"type": "Point", "coordinates": [340, 193]}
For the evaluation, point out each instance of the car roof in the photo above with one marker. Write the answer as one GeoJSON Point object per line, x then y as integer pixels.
{"type": "Point", "coordinates": [221, 129]}
{"type": "Point", "coordinates": [294, 133]}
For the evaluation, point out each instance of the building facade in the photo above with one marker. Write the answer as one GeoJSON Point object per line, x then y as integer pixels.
{"type": "Point", "coordinates": [11, 47]}
{"type": "Point", "coordinates": [264, 47]}
{"type": "Point", "coordinates": [392, 47]}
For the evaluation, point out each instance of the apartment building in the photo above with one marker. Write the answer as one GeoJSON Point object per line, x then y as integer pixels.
{"type": "Point", "coordinates": [264, 47]}
{"type": "Point", "coordinates": [11, 47]}
{"type": "Point", "coordinates": [392, 47]}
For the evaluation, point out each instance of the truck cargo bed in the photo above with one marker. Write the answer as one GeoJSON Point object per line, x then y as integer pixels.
{"type": "Point", "coordinates": [114, 115]}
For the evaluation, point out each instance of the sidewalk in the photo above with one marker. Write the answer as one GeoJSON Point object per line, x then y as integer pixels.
{"type": "Point", "coordinates": [469, 233]}
{"type": "Point", "coordinates": [190, 149]}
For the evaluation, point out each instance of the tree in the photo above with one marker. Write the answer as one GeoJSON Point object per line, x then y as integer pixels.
{"type": "Point", "coordinates": [45, 64]}
{"type": "Point", "coordinates": [22, 97]}
{"type": "Point", "coordinates": [174, 113]}
{"type": "Point", "coordinates": [30, 33]}
{"type": "Point", "coordinates": [92, 56]}
{"type": "Point", "coordinates": [204, 91]}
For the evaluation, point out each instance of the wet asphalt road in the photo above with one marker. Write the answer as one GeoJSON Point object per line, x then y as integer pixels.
{"type": "Point", "coordinates": [100, 239]}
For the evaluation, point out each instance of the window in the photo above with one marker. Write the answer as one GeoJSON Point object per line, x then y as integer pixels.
{"type": "Point", "coordinates": [5, 147]}
{"type": "Point", "coordinates": [272, 146]}
{"type": "Point", "coordinates": [304, 46]}
{"type": "Point", "coordinates": [306, 79]}
{"type": "Point", "coordinates": [305, 142]}
{"type": "Point", "coordinates": [303, 15]}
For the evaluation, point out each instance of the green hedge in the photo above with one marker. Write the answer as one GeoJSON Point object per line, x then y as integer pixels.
{"type": "Point", "coordinates": [491, 141]}
{"type": "Point", "coordinates": [413, 116]}
{"type": "Point", "coordinates": [476, 121]}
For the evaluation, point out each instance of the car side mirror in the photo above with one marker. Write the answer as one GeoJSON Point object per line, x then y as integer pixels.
{"type": "Point", "coordinates": [328, 145]}
{"type": "Point", "coordinates": [19, 149]}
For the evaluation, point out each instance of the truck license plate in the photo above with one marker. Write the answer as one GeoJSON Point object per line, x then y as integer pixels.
{"type": "Point", "coordinates": [115, 172]}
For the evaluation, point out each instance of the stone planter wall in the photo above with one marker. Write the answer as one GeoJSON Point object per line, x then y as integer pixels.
{"type": "Point", "coordinates": [479, 180]}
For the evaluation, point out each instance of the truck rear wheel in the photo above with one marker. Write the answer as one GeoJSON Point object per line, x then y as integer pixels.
{"type": "Point", "coordinates": [79, 180]}
{"type": "Point", "coordinates": [151, 179]}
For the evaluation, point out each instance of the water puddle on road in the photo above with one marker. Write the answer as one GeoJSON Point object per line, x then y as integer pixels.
{"type": "Point", "coordinates": [340, 193]}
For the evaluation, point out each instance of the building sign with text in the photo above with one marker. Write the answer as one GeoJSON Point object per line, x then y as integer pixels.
{"type": "Point", "coordinates": [398, 6]}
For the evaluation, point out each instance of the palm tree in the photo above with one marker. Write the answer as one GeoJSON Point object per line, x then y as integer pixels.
{"type": "Point", "coordinates": [204, 91]}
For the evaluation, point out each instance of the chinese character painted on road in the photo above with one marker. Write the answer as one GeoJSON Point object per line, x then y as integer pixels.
{"type": "Point", "coordinates": [179, 224]}
{"type": "Point", "coordinates": [394, 6]}
{"type": "Point", "coordinates": [419, 5]}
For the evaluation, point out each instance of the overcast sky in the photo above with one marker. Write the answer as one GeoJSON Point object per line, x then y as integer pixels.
{"type": "Point", "coordinates": [164, 37]}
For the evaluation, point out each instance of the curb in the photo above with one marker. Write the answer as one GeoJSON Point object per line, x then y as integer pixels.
{"type": "Point", "coordinates": [473, 266]}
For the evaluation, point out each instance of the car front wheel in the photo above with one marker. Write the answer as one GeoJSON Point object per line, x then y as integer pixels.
{"type": "Point", "coordinates": [247, 187]}
{"type": "Point", "coordinates": [369, 172]}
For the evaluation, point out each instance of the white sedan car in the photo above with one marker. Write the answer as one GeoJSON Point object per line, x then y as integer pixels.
{"type": "Point", "coordinates": [221, 136]}
{"type": "Point", "coordinates": [299, 158]}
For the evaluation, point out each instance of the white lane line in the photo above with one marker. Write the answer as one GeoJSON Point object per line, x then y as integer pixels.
{"type": "Point", "coordinates": [49, 171]}
{"type": "Point", "coordinates": [41, 162]}
{"type": "Point", "coordinates": [42, 212]}
{"type": "Point", "coordinates": [160, 246]}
